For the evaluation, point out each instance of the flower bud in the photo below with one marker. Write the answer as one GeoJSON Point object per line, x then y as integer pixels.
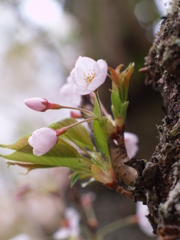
{"type": "Point", "coordinates": [43, 140]}
{"type": "Point", "coordinates": [37, 104]}
{"type": "Point", "coordinates": [75, 114]}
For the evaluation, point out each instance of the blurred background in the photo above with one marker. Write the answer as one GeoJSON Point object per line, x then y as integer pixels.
{"type": "Point", "coordinates": [40, 40]}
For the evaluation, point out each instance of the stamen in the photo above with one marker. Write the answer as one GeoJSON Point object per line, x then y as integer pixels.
{"type": "Point", "coordinates": [90, 76]}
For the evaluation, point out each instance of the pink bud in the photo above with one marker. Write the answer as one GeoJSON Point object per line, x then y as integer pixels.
{"type": "Point", "coordinates": [75, 114]}
{"type": "Point", "coordinates": [37, 104]}
{"type": "Point", "coordinates": [42, 140]}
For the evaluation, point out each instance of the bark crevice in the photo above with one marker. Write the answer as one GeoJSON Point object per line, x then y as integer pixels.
{"type": "Point", "coordinates": [158, 185]}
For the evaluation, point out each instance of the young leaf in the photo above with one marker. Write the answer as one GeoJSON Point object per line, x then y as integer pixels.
{"type": "Point", "coordinates": [97, 111]}
{"type": "Point", "coordinates": [116, 102]}
{"type": "Point", "coordinates": [78, 134]}
{"type": "Point", "coordinates": [17, 145]}
{"type": "Point", "coordinates": [74, 178]}
{"type": "Point", "coordinates": [62, 154]}
{"type": "Point", "coordinates": [28, 166]}
{"type": "Point", "coordinates": [116, 114]}
{"type": "Point", "coordinates": [124, 109]}
{"type": "Point", "coordinates": [100, 138]}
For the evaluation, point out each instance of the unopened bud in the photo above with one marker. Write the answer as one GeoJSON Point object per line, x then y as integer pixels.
{"type": "Point", "coordinates": [75, 114]}
{"type": "Point", "coordinates": [40, 104]}
{"type": "Point", "coordinates": [37, 104]}
{"type": "Point", "coordinates": [43, 140]}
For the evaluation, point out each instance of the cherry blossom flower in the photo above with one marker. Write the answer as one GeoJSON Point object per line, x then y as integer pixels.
{"type": "Point", "coordinates": [131, 141]}
{"type": "Point", "coordinates": [42, 140]}
{"type": "Point", "coordinates": [141, 212]}
{"type": "Point", "coordinates": [71, 225]}
{"type": "Point", "coordinates": [88, 75]}
{"type": "Point", "coordinates": [37, 104]}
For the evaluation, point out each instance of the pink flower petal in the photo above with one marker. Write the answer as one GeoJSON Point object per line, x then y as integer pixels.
{"type": "Point", "coordinates": [43, 140]}
{"type": "Point", "coordinates": [96, 82]}
{"type": "Point", "coordinates": [69, 96]}
{"type": "Point", "coordinates": [96, 69]}
{"type": "Point", "coordinates": [81, 90]}
{"type": "Point", "coordinates": [103, 66]}
{"type": "Point", "coordinates": [85, 63]}
{"type": "Point", "coordinates": [79, 78]}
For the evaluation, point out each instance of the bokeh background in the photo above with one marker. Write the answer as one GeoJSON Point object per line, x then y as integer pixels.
{"type": "Point", "coordinates": [40, 40]}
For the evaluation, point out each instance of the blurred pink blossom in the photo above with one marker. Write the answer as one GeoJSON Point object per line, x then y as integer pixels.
{"type": "Point", "coordinates": [71, 225]}
{"type": "Point", "coordinates": [68, 95]}
{"type": "Point", "coordinates": [21, 236]}
{"type": "Point", "coordinates": [87, 198]}
{"type": "Point", "coordinates": [131, 141]}
{"type": "Point", "coordinates": [141, 212]}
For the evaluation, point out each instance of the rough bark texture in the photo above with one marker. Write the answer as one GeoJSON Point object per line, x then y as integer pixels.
{"type": "Point", "coordinates": [158, 182]}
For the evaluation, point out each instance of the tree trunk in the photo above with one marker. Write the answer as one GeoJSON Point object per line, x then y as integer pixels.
{"type": "Point", "coordinates": [158, 182]}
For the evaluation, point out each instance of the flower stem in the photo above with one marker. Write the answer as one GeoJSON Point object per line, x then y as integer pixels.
{"type": "Point", "coordinates": [65, 129]}
{"type": "Point", "coordinates": [57, 106]}
{"type": "Point", "coordinates": [98, 101]}
{"type": "Point", "coordinates": [117, 224]}
{"type": "Point", "coordinates": [105, 111]}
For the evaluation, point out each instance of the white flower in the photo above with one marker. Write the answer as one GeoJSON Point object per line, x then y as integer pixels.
{"type": "Point", "coordinates": [42, 140]}
{"type": "Point", "coordinates": [37, 104]}
{"type": "Point", "coordinates": [71, 229]}
{"type": "Point", "coordinates": [131, 141]}
{"type": "Point", "coordinates": [68, 95]}
{"type": "Point", "coordinates": [141, 212]}
{"type": "Point", "coordinates": [88, 75]}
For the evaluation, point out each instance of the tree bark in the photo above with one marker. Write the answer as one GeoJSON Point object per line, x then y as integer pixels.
{"type": "Point", "coordinates": [158, 182]}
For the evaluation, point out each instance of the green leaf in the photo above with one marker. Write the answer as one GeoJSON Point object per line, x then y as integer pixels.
{"type": "Point", "coordinates": [97, 111]}
{"type": "Point", "coordinates": [116, 114]}
{"type": "Point", "coordinates": [28, 166]}
{"type": "Point", "coordinates": [100, 138]}
{"type": "Point", "coordinates": [74, 177]}
{"type": "Point", "coordinates": [116, 102]}
{"type": "Point", "coordinates": [62, 154]}
{"type": "Point", "coordinates": [17, 145]}
{"type": "Point", "coordinates": [124, 110]}
{"type": "Point", "coordinates": [78, 134]}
